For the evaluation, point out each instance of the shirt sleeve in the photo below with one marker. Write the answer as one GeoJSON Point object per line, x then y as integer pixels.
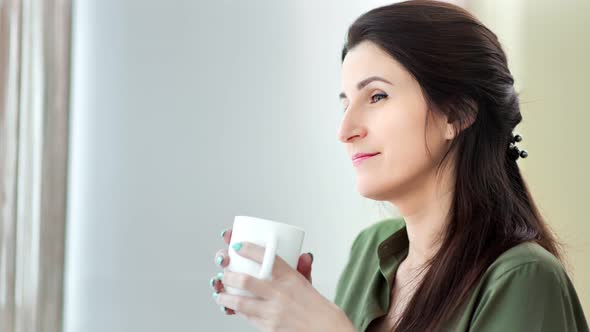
{"type": "Point", "coordinates": [530, 297]}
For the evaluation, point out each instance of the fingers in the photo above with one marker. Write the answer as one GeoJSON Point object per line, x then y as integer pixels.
{"type": "Point", "coordinates": [243, 304]}
{"type": "Point", "coordinates": [304, 265]}
{"type": "Point", "coordinates": [226, 235]}
{"type": "Point", "coordinates": [218, 287]}
{"type": "Point", "coordinates": [256, 253]}
{"type": "Point", "coordinates": [216, 283]}
{"type": "Point", "coordinates": [258, 287]}
{"type": "Point", "coordinates": [222, 258]}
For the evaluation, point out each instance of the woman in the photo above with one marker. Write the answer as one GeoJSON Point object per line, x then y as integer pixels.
{"type": "Point", "coordinates": [429, 109]}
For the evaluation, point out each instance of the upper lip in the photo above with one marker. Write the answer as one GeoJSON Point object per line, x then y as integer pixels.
{"type": "Point", "coordinates": [363, 154]}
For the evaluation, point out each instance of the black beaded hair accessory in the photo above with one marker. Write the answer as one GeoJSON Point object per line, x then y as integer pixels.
{"type": "Point", "coordinates": [513, 150]}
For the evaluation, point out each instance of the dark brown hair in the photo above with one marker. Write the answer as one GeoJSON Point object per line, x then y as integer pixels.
{"type": "Point", "coordinates": [462, 71]}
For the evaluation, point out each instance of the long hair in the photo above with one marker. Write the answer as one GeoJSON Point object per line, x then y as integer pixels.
{"type": "Point", "coordinates": [462, 71]}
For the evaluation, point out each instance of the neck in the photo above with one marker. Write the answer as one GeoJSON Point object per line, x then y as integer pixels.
{"type": "Point", "coordinates": [425, 212]}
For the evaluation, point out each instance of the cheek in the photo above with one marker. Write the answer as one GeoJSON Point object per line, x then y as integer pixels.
{"type": "Point", "coordinates": [405, 159]}
{"type": "Point", "coordinates": [402, 161]}
{"type": "Point", "coordinates": [405, 145]}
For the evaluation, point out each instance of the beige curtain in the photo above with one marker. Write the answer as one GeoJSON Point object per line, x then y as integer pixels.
{"type": "Point", "coordinates": [34, 86]}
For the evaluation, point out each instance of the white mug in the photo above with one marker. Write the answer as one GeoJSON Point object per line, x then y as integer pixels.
{"type": "Point", "coordinates": [278, 238]}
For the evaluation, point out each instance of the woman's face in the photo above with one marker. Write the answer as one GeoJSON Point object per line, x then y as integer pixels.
{"type": "Point", "coordinates": [388, 118]}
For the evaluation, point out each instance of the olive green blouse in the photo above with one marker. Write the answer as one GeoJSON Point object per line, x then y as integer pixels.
{"type": "Point", "coordinates": [525, 289]}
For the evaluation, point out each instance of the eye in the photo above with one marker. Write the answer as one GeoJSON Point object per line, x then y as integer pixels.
{"type": "Point", "coordinates": [383, 95]}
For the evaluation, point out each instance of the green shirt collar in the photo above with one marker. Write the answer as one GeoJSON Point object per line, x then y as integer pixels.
{"type": "Point", "coordinates": [395, 244]}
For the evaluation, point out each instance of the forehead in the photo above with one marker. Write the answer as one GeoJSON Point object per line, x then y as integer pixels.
{"type": "Point", "coordinates": [367, 59]}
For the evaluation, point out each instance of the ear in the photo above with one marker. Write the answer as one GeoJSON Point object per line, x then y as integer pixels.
{"type": "Point", "coordinates": [464, 113]}
{"type": "Point", "coordinates": [453, 128]}
{"type": "Point", "coordinates": [450, 131]}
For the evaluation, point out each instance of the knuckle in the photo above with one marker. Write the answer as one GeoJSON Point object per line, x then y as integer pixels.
{"type": "Point", "coordinates": [244, 281]}
{"type": "Point", "coordinates": [238, 304]}
{"type": "Point", "coordinates": [299, 280]}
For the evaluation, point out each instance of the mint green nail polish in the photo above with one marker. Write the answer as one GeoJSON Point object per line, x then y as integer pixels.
{"type": "Point", "coordinates": [223, 233]}
{"type": "Point", "coordinates": [212, 282]}
{"type": "Point", "coordinates": [220, 275]}
{"type": "Point", "coordinates": [237, 246]}
{"type": "Point", "coordinates": [223, 309]}
{"type": "Point", "coordinates": [219, 260]}
{"type": "Point", "coordinates": [215, 295]}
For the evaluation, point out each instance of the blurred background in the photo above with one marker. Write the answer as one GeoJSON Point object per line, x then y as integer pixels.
{"type": "Point", "coordinates": [183, 114]}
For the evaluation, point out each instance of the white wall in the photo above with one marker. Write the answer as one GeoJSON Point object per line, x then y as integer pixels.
{"type": "Point", "coordinates": [186, 114]}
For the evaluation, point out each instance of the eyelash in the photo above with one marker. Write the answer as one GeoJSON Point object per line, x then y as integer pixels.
{"type": "Point", "coordinates": [379, 94]}
{"type": "Point", "coordinates": [384, 95]}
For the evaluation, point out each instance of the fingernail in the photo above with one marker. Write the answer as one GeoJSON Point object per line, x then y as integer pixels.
{"type": "Point", "coordinates": [237, 246]}
{"type": "Point", "coordinates": [223, 233]}
{"type": "Point", "coordinates": [223, 309]}
{"type": "Point", "coordinates": [220, 275]}
{"type": "Point", "coordinates": [212, 282]}
{"type": "Point", "coordinates": [311, 256]}
{"type": "Point", "coordinates": [215, 295]}
{"type": "Point", "coordinates": [219, 260]}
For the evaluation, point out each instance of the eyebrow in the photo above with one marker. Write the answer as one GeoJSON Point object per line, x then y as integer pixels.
{"type": "Point", "coordinates": [365, 82]}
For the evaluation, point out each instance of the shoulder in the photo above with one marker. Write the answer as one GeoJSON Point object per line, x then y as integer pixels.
{"type": "Point", "coordinates": [527, 288]}
{"type": "Point", "coordinates": [525, 268]}
{"type": "Point", "coordinates": [529, 260]}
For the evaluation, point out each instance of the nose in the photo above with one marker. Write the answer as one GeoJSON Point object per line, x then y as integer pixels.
{"type": "Point", "coordinates": [350, 129]}
{"type": "Point", "coordinates": [347, 136]}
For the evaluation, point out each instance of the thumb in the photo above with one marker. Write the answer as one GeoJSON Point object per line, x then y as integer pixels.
{"type": "Point", "coordinates": [304, 265]}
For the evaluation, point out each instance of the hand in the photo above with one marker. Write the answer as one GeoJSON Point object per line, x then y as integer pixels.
{"type": "Point", "coordinates": [287, 303]}
{"type": "Point", "coordinates": [303, 266]}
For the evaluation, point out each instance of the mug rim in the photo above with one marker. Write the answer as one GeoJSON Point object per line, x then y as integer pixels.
{"type": "Point", "coordinates": [272, 222]}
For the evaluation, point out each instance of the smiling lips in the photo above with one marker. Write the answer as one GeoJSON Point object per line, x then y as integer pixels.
{"type": "Point", "coordinates": [359, 157]}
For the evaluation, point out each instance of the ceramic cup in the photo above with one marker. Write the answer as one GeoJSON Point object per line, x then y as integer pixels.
{"type": "Point", "coordinates": [277, 238]}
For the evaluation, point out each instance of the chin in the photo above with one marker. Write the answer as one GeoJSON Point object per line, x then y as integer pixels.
{"type": "Point", "coordinates": [378, 193]}
{"type": "Point", "coordinates": [389, 190]}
